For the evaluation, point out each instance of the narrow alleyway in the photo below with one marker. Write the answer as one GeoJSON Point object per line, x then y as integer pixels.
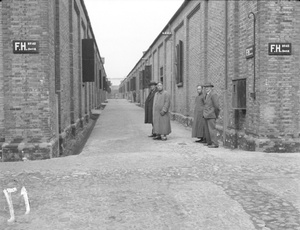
{"type": "Point", "coordinates": [125, 180]}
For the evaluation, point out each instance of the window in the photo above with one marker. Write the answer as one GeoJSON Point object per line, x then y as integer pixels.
{"type": "Point", "coordinates": [88, 60]}
{"type": "Point", "coordinates": [179, 63]}
{"type": "Point", "coordinates": [161, 74]}
{"type": "Point", "coordinates": [147, 75]}
{"type": "Point", "coordinates": [132, 84]}
{"type": "Point", "coordinates": [100, 79]}
{"type": "Point", "coordinates": [141, 86]}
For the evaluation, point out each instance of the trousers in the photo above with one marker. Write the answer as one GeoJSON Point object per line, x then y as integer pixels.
{"type": "Point", "coordinates": [211, 123]}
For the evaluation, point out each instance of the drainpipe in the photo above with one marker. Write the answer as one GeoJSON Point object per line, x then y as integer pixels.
{"type": "Point", "coordinates": [225, 119]}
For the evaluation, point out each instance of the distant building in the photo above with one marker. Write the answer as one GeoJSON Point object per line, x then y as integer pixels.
{"type": "Point", "coordinates": [51, 76]}
{"type": "Point", "coordinates": [249, 50]}
{"type": "Point", "coordinates": [114, 93]}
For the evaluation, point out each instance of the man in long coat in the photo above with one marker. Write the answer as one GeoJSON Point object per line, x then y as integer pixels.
{"type": "Point", "coordinates": [199, 128]}
{"type": "Point", "coordinates": [161, 116]}
{"type": "Point", "coordinates": [149, 106]}
{"type": "Point", "coordinates": [211, 113]}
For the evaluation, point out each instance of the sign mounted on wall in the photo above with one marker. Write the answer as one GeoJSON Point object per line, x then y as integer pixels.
{"type": "Point", "coordinates": [280, 48]}
{"type": "Point", "coordinates": [25, 47]}
{"type": "Point", "coordinates": [250, 52]}
{"type": "Point", "coordinates": [166, 33]}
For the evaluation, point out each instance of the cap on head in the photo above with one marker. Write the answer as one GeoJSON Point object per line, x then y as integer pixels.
{"type": "Point", "coordinates": [208, 84]}
{"type": "Point", "coordinates": [152, 83]}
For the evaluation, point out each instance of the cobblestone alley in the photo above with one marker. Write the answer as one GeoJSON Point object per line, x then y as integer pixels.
{"type": "Point", "coordinates": [125, 180]}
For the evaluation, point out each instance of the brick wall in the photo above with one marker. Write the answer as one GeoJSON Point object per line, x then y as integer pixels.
{"type": "Point", "coordinates": [26, 86]}
{"type": "Point", "coordinates": [180, 92]}
{"type": "Point", "coordinates": [240, 36]}
{"type": "Point", "coordinates": [41, 95]}
{"type": "Point", "coordinates": [51, 68]}
{"type": "Point", "coordinates": [278, 81]}
{"type": "Point", "coordinates": [193, 75]}
{"type": "Point", "coordinates": [169, 67]}
{"type": "Point", "coordinates": [2, 128]}
{"type": "Point", "coordinates": [215, 46]}
{"type": "Point", "coordinates": [76, 62]}
{"type": "Point", "coordinates": [64, 52]}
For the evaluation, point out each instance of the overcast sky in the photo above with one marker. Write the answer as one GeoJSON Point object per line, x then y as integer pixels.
{"type": "Point", "coordinates": [125, 28]}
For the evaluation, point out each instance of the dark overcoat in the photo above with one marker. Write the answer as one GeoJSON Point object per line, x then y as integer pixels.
{"type": "Point", "coordinates": [198, 128]}
{"type": "Point", "coordinates": [161, 123]}
{"type": "Point", "coordinates": [149, 107]}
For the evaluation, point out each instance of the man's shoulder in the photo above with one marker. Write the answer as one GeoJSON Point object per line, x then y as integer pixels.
{"type": "Point", "coordinates": [214, 92]}
{"type": "Point", "coordinates": [166, 92]}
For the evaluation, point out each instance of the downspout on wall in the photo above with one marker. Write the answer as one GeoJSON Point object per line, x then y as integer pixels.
{"type": "Point", "coordinates": [206, 40]}
{"type": "Point", "coordinates": [225, 114]}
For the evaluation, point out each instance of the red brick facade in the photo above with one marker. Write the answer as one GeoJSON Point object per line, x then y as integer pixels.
{"type": "Point", "coordinates": [215, 35]}
{"type": "Point", "coordinates": [43, 101]}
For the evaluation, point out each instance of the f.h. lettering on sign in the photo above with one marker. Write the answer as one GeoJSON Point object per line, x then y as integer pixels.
{"type": "Point", "coordinates": [280, 48]}
{"type": "Point", "coordinates": [25, 47]}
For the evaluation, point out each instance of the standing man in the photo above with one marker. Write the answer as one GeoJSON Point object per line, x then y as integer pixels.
{"type": "Point", "coordinates": [149, 106]}
{"type": "Point", "coordinates": [199, 128]}
{"type": "Point", "coordinates": [211, 113]}
{"type": "Point", "coordinates": [161, 117]}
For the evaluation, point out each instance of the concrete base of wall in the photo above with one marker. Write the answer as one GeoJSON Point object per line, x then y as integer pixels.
{"type": "Point", "coordinates": [18, 150]}
{"type": "Point", "coordinates": [186, 121]}
{"type": "Point", "coordinates": [240, 140]}
{"type": "Point", "coordinates": [235, 139]}
{"type": "Point", "coordinates": [71, 141]}
{"type": "Point", "coordinates": [279, 145]}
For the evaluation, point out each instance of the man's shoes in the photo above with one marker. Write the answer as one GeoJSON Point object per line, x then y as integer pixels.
{"type": "Point", "coordinates": [152, 135]}
{"type": "Point", "coordinates": [198, 141]}
{"type": "Point", "coordinates": [207, 144]}
{"type": "Point", "coordinates": [164, 138]}
{"type": "Point", "coordinates": [213, 146]}
{"type": "Point", "coordinates": [157, 138]}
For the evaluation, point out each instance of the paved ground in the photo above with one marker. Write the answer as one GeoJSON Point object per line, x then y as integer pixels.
{"type": "Point", "coordinates": [125, 180]}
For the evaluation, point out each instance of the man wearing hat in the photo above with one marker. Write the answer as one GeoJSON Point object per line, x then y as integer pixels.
{"type": "Point", "coordinates": [161, 115]}
{"type": "Point", "coordinates": [149, 106]}
{"type": "Point", "coordinates": [211, 113]}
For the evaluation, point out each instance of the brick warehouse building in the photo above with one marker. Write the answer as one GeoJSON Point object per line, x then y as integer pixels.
{"type": "Point", "coordinates": [250, 51]}
{"type": "Point", "coordinates": [51, 77]}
